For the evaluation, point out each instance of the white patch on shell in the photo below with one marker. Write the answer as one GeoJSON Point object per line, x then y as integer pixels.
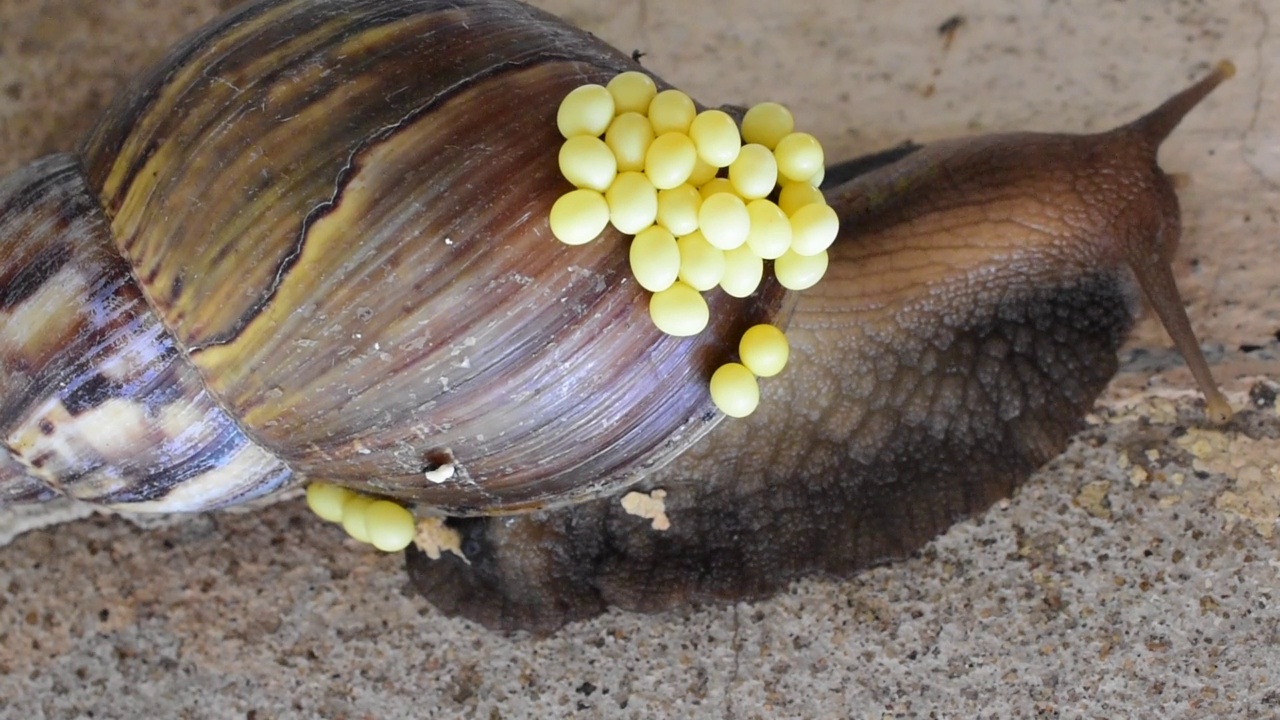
{"type": "Point", "coordinates": [42, 320]}
{"type": "Point", "coordinates": [441, 474]}
{"type": "Point", "coordinates": [651, 506]}
{"type": "Point", "coordinates": [240, 473]}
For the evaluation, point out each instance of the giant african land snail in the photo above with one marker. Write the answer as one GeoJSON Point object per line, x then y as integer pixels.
{"type": "Point", "coordinates": [314, 245]}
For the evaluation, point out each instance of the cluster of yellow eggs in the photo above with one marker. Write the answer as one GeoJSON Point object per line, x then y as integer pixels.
{"type": "Point", "coordinates": [699, 195]}
{"type": "Point", "coordinates": [383, 524]}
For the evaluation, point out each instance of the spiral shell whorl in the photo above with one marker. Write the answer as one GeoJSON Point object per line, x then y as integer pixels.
{"type": "Point", "coordinates": [95, 401]}
{"type": "Point", "coordinates": [339, 211]}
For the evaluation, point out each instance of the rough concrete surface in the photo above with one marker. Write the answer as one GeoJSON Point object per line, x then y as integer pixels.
{"type": "Point", "coordinates": [1136, 576]}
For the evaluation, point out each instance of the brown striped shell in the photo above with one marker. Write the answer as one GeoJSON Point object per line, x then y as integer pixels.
{"type": "Point", "coordinates": [314, 244]}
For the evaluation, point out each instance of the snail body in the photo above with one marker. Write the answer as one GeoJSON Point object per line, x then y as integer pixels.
{"type": "Point", "coordinates": [314, 245]}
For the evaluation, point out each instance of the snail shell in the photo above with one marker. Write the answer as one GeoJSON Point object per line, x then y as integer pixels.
{"type": "Point", "coordinates": [314, 245]}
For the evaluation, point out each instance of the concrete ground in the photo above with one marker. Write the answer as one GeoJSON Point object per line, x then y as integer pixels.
{"type": "Point", "coordinates": [1136, 576]}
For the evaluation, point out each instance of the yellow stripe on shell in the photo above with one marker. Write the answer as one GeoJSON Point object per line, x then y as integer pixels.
{"type": "Point", "coordinates": [734, 390]}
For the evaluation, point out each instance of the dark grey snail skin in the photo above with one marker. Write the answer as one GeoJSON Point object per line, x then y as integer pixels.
{"type": "Point", "coordinates": [971, 315]}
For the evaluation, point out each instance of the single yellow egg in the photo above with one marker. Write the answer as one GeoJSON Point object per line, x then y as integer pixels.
{"type": "Point", "coordinates": [716, 136]}
{"type": "Point", "coordinates": [389, 526]}
{"type": "Point", "coordinates": [770, 234]}
{"type": "Point", "coordinates": [679, 310]}
{"type": "Point", "coordinates": [586, 110]}
{"type": "Point", "coordinates": [743, 271]}
{"type": "Point", "coordinates": [734, 390]}
{"type": "Point", "coordinates": [633, 202]}
{"type": "Point", "coordinates": [678, 209]}
{"type": "Point", "coordinates": [632, 92]}
{"type": "Point", "coordinates": [764, 350]}
{"type": "Point", "coordinates": [754, 173]}
{"type": "Point", "coordinates": [701, 264]}
{"type": "Point", "coordinates": [799, 156]}
{"type": "Point", "coordinates": [655, 259]}
{"type": "Point", "coordinates": [670, 160]}
{"type": "Point", "coordinates": [671, 111]}
{"type": "Point", "coordinates": [579, 216]}
{"type": "Point", "coordinates": [326, 499]}
{"type": "Point", "coordinates": [800, 272]}
{"type": "Point", "coordinates": [724, 220]}
{"type": "Point", "coordinates": [629, 137]}
{"type": "Point", "coordinates": [353, 517]}
{"type": "Point", "coordinates": [703, 173]}
{"type": "Point", "coordinates": [715, 186]}
{"type": "Point", "coordinates": [795, 195]}
{"type": "Point", "coordinates": [588, 163]}
{"type": "Point", "coordinates": [766, 124]}
{"type": "Point", "coordinates": [813, 229]}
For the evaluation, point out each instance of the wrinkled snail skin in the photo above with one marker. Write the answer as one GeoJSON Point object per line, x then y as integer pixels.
{"type": "Point", "coordinates": [313, 245]}
{"type": "Point", "coordinates": [977, 297]}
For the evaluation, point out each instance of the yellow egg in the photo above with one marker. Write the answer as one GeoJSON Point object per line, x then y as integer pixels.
{"type": "Point", "coordinates": [633, 202]}
{"type": "Point", "coordinates": [800, 272]}
{"type": "Point", "coordinates": [655, 259]}
{"type": "Point", "coordinates": [588, 163]}
{"type": "Point", "coordinates": [764, 350]}
{"type": "Point", "coordinates": [743, 271]}
{"type": "Point", "coordinates": [701, 264]}
{"type": "Point", "coordinates": [795, 195]}
{"type": "Point", "coordinates": [770, 234]}
{"type": "Point", "coordinates": [703, 173]}
{"type": "Point", "coordinates": [326, 499]}
{"type": "Point", "coordinates": [587, 110]}
{"type": "Point", "coordinates": [671, 111]}
{"type": "Point", "coordinates": [632, 91]}
{"type": "Point", "coordinates": [353, 517]}
{"type": "Point", "coordinates": [678, 209]}
{"type": "Point", "coordinates": [724, 220]}
{"type": "Point", "coordinates": [715, 186]}
{"type": "Point", "coordinates": [754, 173]}
{"type": "Point", "coordinates": [629, 137]}
{"type": "Point", "coordinates": [389, 526]}
{"type": "Point", "coordinates": [799, 157]}
{"type": "Point", "coordinates": [679, 310]}
{"type": "Point", "coordinates": [670, 160]}
{"type": "Point", "coordinates": [766, 124]}
{"type": "Point", "coordinates": [579, 216]}
{"type": "Point", "coordinates": [734, 390]}
{"type": "Point", "coordinates": [813, 229]}
{"type": "Point", "coordinates": [716, 136]}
